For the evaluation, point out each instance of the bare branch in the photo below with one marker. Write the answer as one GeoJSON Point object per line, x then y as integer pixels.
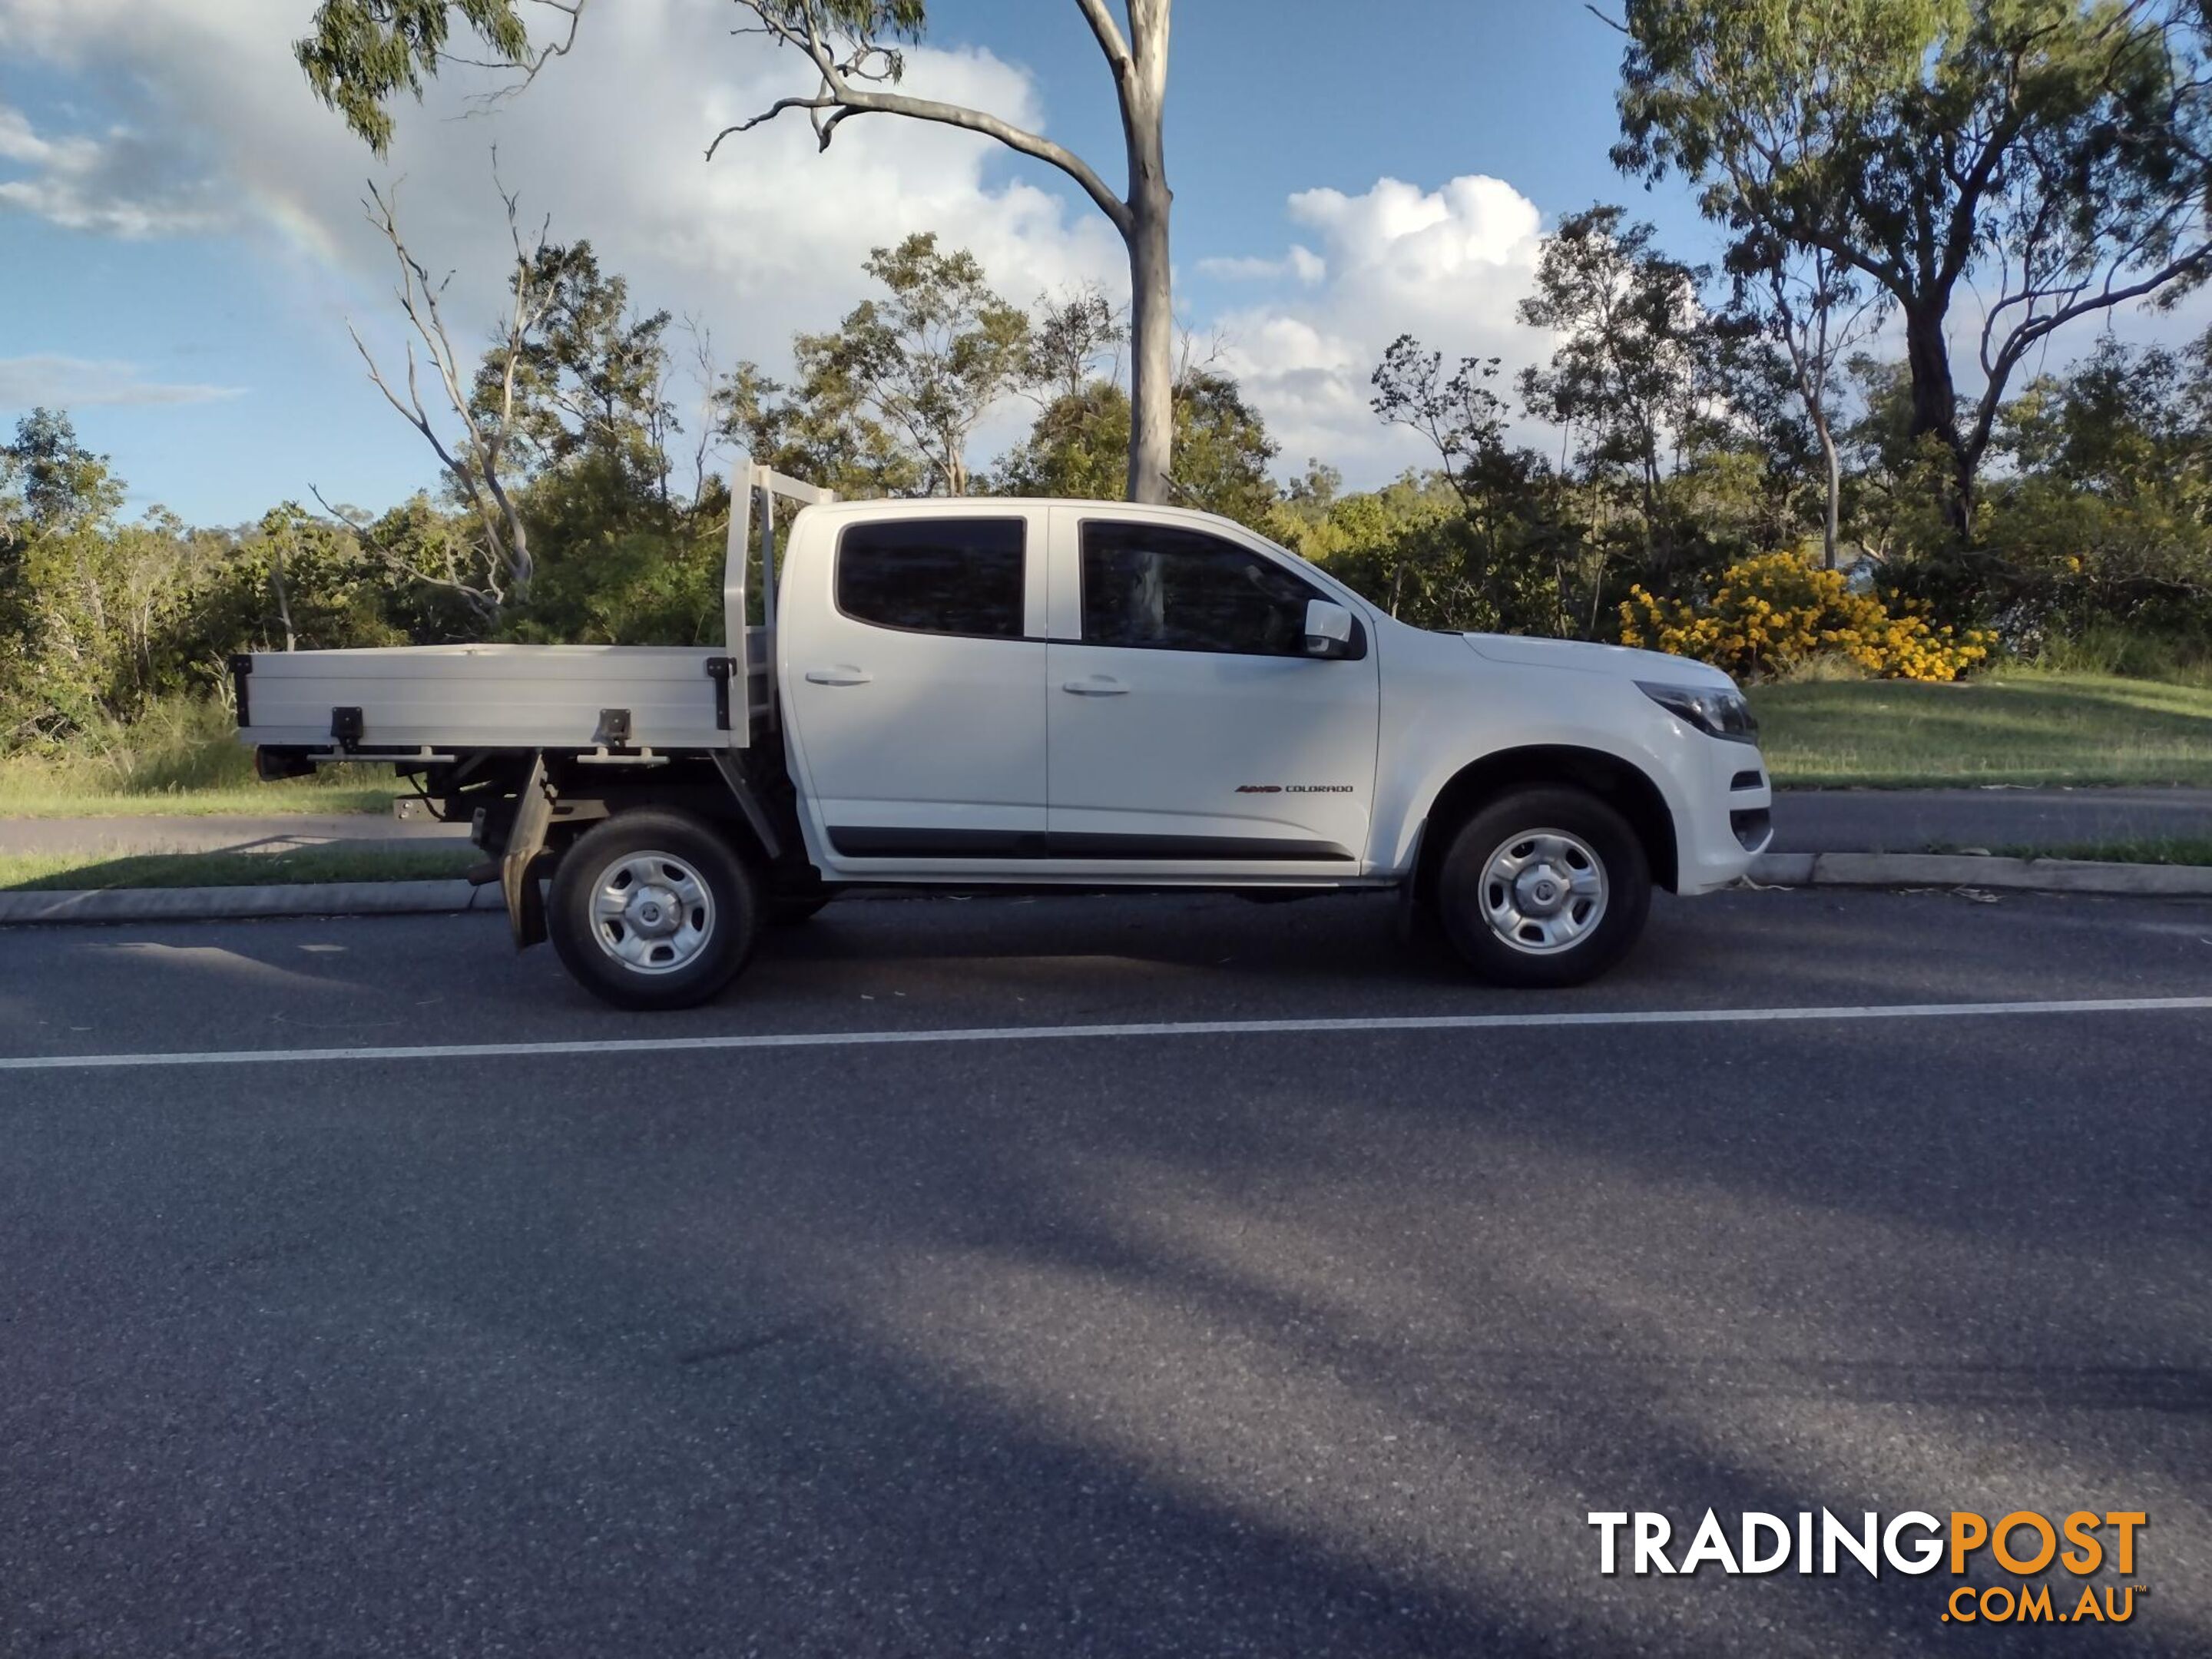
{"type": "Point", "coordinates": [484, 601]}
{"type": "Point", "coordinates": [534, 63]}
{"type": "Point", "coordinates": [473, 464]}
{"type": "Point", "coordinates": [1107, 34]}
{"type": "Point", "coordinates": [838, 92]}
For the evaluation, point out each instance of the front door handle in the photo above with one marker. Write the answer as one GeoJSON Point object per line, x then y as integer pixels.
{"type": "Point", "coordinates": [843, 674]}
{"type": "Point", "coordinates": [1099, 685]}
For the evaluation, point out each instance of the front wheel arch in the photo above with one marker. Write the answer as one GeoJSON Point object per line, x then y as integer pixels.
{"type": "Point", "coordinates": [1620, 784]}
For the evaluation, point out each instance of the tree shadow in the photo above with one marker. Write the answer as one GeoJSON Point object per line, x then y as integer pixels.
{"type": "Point", "coordinates": [1240, 1347]}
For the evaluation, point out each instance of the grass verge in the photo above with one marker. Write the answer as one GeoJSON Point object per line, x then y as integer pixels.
{"type": "Point", "coordinates": [256, 800]}
{"type": "Point", "coordinates": [182, 759]}
{"type": "Point", "coordinates": [2019, 728]}
{"type": "Point", "coordinates": [47, 872]}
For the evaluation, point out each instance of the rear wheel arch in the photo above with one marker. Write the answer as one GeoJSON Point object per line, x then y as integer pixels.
{"type": "Point", "coordinates": [1620, 784]}
{"type": "Point", "coordinates": [690, 786]}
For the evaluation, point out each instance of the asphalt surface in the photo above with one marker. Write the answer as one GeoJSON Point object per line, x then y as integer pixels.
{"type": "Point", "coordinates": [1951, 820]}
{"type": "Point", "coordinates": [1301, 1343]}
{"type": "Point", "coordinates": [1805, 821]}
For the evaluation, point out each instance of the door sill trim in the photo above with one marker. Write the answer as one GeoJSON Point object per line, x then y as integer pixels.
{"type": "Point", "coordinates": [861, 842]}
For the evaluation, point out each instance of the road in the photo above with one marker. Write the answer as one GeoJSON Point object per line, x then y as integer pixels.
{"type": "Point", "coordinates": [1313, 1340]}
{"type": "Point", "coordinates": [1924, 820]}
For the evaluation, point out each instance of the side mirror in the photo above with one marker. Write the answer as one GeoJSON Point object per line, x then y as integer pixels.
{"type": "Point", "coordinates": [1329, 628]}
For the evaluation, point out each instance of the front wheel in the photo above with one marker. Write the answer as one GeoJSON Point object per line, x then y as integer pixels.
{"type": "Point", "coordinates": [1543, 887]}
{"type": "Point", "coordinates": [653, 909]}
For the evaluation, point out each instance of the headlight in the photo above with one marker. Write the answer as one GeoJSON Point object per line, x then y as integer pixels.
{"type": "Point", "coordinates": [1719, 711]}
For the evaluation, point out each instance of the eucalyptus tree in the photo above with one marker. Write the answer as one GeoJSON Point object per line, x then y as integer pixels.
{"type": "Point", "coordinates": [927, 360]}
{"type": "Point", "coordinates": [2051, 156]}
{"type": "Point", "coordinates": [1628, 326]}
{"type": "Point", "coordinates": [1500, 562]}
{"type": "Point", "coordinates": [359, 54]}
{"type": "Point", "coordinates": [1223, 453]}
{"type": "Point", "coordinates": [1069, 333]}
{"type": "Point", "coordinates": [1806, 301]}
{"type": "Point", "coordinates": [590, 381]}
{"type": "Point", "coordinates": [832, 440]}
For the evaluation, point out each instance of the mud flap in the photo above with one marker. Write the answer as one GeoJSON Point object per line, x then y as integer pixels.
{"type": "Point", "coordinates": [1416, 920]}
{"type": "Point", "coordinates": [525, 905]}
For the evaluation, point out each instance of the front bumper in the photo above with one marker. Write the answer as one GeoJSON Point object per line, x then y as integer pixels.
{"type": "Point", "coordinates": [1728, 820]}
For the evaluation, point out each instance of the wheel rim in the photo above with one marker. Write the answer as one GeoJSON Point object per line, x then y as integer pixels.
{"type": "Point", "coordinates": [652, 912]}
{"type": "Point", "coordinates": [1544, 892]}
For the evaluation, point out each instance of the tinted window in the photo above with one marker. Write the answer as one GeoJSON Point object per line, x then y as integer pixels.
{"type": "Point", "coordinates": [935, 575]}
{"type": "Point", "coordinates": [1181, 590]}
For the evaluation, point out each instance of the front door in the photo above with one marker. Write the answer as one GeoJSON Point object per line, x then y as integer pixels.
{"type": "Point", "coordinates": [1186, 724]}
{"type": "Point", "coordinates": [914, 668]}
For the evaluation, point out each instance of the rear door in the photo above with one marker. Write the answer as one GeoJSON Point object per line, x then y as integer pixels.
{"type": "Point", "coordinates": [1187, 723]}
{"type": "Point", "coordinates": [913, 660]}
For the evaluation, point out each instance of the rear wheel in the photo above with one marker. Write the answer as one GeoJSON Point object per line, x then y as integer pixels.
{"type": "Point", "coordinates": [653, 909]}
{"type": "Point", "coordinates": [1545, 886]}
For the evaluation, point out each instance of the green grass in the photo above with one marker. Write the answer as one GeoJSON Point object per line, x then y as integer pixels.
{"type": "Point", "coordinates": [182, 758]}
{"type": "Point", "coordinates": [38, 799]}
{"type": "Point", "coordinates": [46, 872]}
{"type": "Point", "coordinates": [2166, 849]}
{"type": "Point", "coordinates": [2020, 728]}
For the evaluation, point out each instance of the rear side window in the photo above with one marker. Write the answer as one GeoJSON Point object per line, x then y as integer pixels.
{"type": "Point", "coordinates": [1170, 589]}
{"type": "Point", "coordinates": [935, 575]}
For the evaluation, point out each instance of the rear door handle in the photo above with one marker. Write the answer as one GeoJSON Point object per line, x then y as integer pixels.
{"type": "Point", "coordinates": [1099, 685]}
{"type": "Point", "coordinates": [842, 674]}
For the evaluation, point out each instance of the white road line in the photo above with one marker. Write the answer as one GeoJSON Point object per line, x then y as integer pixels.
{"type": "Point", "coordinates": [1161, 1029]}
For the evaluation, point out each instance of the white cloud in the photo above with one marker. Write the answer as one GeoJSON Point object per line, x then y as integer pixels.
{"type": "Point", "coordinates": [1301, 262]}
{"type": "Point", "coordinates": [766, 238]}
{"type": "Point", "coordinates": [77, 382]}
{"type": "Point", "coordinates": [1449, 266]}
{"type": "Point", "coordinates": [118, 184]}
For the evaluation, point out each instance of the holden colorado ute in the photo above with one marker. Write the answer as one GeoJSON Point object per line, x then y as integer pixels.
{"type": "Point", "coordinates": [1076, 695]}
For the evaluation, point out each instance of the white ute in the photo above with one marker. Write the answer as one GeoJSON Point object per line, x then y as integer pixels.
{"type": "Point", "coordinates": [970, 693]}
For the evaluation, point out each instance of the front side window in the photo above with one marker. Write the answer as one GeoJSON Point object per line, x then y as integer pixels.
{"type": "Point", "coordinates": [960, 576]}
{"type": "Point", "coordinates": [1170, 589]}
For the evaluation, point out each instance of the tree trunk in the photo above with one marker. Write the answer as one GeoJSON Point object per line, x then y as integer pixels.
{"type": "Point", "coordinates": [1151, 301]}
{"type": "Point", "coordinates": [1830, 523]}
{"type": "Point", "coordinates": [283, 600]}
{"type": "Point", "coordinates": [1152, 360]}
{"type": "Point", "coordinates": [1936, 407]}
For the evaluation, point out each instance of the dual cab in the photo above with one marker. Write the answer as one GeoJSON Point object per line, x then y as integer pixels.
{"type": "Point", "coordinates": [971, 693]}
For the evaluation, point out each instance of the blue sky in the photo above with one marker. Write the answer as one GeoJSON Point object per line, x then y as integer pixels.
{"type": "Point", "coordinates": [181, 251]}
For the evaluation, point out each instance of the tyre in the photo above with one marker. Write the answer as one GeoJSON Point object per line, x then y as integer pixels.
{"type": "Point", "coordinates": [653, 909]}
{"type": "Point", "coordinates": [1545, 886]}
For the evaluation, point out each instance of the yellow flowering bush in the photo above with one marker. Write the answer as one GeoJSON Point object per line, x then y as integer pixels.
{"type": "Point", "coordinates": [1775, 611]}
